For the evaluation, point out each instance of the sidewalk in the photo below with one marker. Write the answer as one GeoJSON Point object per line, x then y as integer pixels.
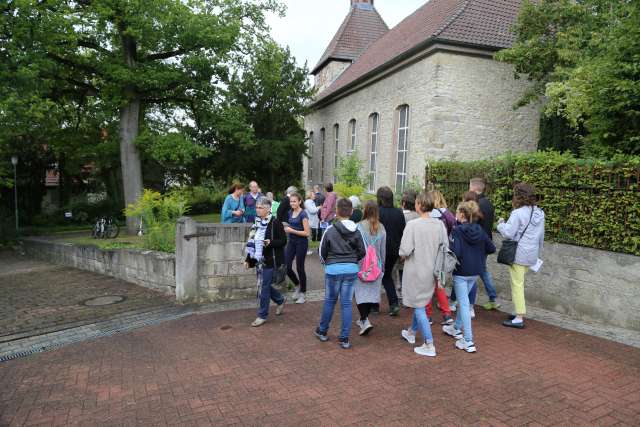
{"type": "Point", "coordinates": [213, 369]}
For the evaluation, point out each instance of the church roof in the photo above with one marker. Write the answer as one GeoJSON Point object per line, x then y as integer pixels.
{"type": "Point", "coordinates": [479, 23]}
{"type": "Point", "coordinates": [362, 26]}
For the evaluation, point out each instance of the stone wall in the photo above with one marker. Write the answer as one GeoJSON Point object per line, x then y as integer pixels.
{"type": "Point", "coordinates": [460, 108]}
{"type": "Point", "coordinates": [211, 263]}
{"type": "Point", "coordinates": [583, 283]}
{"type": "Point", "coordinates": [153, 270]}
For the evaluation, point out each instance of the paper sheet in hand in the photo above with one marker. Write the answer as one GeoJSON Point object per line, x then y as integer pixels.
{"type": "Point", "coordinates": [536, 267]}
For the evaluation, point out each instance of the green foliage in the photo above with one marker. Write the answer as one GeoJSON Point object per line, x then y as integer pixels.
{"type": "Point", "coordinates": [586, 202]}
{"type": "Point", "coordinates": [583, 57]}
{"type": "Point", "coordinates": [159, 214]}
{"type": "Point", "coordinates": [344, 190]}
{"type": "Point", "coordinates": [349, 171]}
{"type": "Point", "coordinates": [202, 199]}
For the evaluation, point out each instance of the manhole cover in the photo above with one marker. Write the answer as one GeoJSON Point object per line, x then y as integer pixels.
{"type": "Point", "coordinates": [104, 300]}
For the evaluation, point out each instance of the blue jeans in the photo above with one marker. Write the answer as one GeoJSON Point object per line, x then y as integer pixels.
{"type": "Point", "coordinates": [463, 286]}
{"type": "Point", "coordinates": [334, 286]}
{"type": "Point", "coordinates": [421, 321]}
{"type": "Point", "coordinates": [488, 285]}
{"type": "Point", "coordinates": [473, 293]}
{"type": "Point", "coordinates": [267, 291]}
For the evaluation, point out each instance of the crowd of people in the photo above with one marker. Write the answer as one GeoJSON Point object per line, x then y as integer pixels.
{"type": "Point", "coordinates": [364, 248]}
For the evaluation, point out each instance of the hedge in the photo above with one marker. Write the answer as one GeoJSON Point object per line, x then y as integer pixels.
{"type": "Point", "coordinates": [589, 203]}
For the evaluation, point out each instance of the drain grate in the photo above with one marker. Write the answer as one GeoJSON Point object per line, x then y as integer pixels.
{"type": "Point", "coordinates": [103, 300]}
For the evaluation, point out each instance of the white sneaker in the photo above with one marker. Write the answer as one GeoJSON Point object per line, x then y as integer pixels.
{"type": "Point", "coordinates": [258, 322]}
{"type": "Point", "coordinates": [365, 327]}
{"type": "Point", "coordinates": [467, 346]}
{"type": "Point", "coordinates": [280, 307]}
{"type": "Point", "coordinates": [359, 323]}
{"type": "Point", "coordinates": [409, 336]}
{"type": "Point", "coordinates": [452, 305]}
{"type": "Point", "coordinates": [452, 331]}
{"type": "Point", "coordinates": [296, 294]}
{"type": "Point", "coordinates": [309, 252]}
{"type": "Point", "coordinates": [472, 312]}
{"type": "Point", "coordinates": [426, 349]}
{"type": "Point", "coordinates": [301, 299]}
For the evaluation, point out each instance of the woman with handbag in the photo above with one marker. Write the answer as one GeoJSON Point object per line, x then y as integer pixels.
{"type": "Point", "coordinates": [522, 247]}
{"type": "Point", "coordinates": [265, 252]}
{"type": "Point", "coordinates": [367, 289]}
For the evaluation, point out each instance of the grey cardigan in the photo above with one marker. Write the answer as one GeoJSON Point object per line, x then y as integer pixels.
{"type": "Point", "coordinates": [530, 244]}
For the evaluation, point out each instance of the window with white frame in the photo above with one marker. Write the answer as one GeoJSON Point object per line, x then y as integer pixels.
{"type": "Point", "coordinates": [403, 148]}
{"type": "Point", "coordinates": [311, 158]}
{"type": "Point", "coordinates": [336, 136]}
{"type": "Point", "coordinates": [352, 136]}
{"type": "Point", "coordinates": [373, 152]}
{"type": "Point", "coordinates": [323, 138]}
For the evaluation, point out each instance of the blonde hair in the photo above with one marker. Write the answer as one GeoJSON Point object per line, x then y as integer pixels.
{"type": "Point", "coordinates": [438, 199]}
{"type": "Point", "coordinates": [469, 210]}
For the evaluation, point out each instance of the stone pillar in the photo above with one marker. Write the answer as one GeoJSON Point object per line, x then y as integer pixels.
{"type": "Point", "coordinates": [186, 260]}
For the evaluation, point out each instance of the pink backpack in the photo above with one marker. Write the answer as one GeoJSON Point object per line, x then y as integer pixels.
{"type": "Point", "coordinates": [370, 270]}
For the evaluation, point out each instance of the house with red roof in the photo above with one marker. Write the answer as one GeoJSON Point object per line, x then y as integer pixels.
{"type": "Point", "coordinates": [428, 88]}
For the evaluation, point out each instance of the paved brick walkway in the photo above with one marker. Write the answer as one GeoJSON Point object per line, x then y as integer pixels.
{"type": "Point", "coordinates": [37, 297]}
{"type": "Point", "coordinates": [212, 369]}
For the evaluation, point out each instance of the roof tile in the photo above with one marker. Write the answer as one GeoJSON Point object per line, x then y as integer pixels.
{"type": "Point", "coordinates": [483, 23]}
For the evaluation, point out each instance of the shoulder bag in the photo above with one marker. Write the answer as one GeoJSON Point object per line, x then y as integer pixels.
{"type": "Point", "coordinates": [507, 253]}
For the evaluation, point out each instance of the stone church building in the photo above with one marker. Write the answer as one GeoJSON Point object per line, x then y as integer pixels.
{"type": "Point", "coordinates": [428, 88]}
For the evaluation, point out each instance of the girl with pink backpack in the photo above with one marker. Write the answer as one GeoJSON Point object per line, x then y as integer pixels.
{"type": "Point", "coordinates": [367, 286]}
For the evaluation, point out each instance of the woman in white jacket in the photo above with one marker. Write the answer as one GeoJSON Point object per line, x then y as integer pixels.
{"type": "Point", "coordinates": [525, 225]}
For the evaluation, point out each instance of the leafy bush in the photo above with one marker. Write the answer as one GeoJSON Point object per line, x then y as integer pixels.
{"type": "Point", "coordinates": [202, 199]}
{"type": "Point", "coordinates": [590, 203]}
{"type": "Point", "coordinates": [344, 190]}
{"type": "Point", "coordinates": [159, 214]}
{"type": "Point", "coordinates": [349, 172]}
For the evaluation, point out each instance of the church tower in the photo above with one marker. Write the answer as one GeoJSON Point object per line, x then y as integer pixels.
{"type": "Point", "coordinates": [362, 26]}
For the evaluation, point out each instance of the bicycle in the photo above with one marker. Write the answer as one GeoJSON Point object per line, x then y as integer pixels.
{"type": "Point", "coordinates": [105, 228]}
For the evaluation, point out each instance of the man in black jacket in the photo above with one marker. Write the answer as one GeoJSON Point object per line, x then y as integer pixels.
{"type": "Point", "coordinates": [478, 185]}
{"type": "Point", "coordinates": [341, 249]}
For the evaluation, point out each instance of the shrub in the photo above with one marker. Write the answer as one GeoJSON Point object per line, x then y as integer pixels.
{"type": "Point", "coordinates": [590, 203]}
{"type": "Point", "coordinates": [349, 172]}
{"type": "Point", "coordinates": [202, 199]}
{"type": "Point", "coordinates": [159, 214]}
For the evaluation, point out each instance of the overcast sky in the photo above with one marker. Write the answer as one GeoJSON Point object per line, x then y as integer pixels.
{"type": "Point", "coordinates": [310, 24]}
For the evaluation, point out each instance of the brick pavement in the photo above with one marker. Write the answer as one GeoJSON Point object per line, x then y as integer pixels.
{"type": "Point", "coordinates": [213, 369]}
{"type": "Point", "coordinates": [37, 297]}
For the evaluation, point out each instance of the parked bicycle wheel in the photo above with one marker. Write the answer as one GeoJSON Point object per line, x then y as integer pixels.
{"type": "Point", "coordinates": [112, 231]}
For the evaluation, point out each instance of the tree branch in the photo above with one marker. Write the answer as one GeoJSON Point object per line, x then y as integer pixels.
{"type": "Point", "coordinates": [170, 54]}
{"type": "Point", "coordinates": [70, 63]}
{"type": "Point", "coordinates": [92, 44]}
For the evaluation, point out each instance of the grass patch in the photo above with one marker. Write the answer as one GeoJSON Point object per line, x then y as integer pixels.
{"type": "Point", "coordinates": [122, 242]}
{"type": "Point", "coordinates": [54, 229]}
{"type": "Point", "coordinates": [214, 217]}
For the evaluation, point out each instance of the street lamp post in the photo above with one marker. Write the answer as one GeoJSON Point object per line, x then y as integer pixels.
{"type": "Point", "coordinates": [14, 162]}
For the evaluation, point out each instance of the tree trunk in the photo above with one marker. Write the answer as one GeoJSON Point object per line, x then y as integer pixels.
{"type": "Point", "coordinates": [129, 126]}
{"type": "Point", "coordinates": [130, 158]}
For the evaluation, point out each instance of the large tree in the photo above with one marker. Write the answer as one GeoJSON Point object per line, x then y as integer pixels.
{"type": "Point", "coordinates": [263, 138]}
{"type": "Point", "coordinates": [583, 58]}
{"type": "Point", "coordinates": [137, 61]}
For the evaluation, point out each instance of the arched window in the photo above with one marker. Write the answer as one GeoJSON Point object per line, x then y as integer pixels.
{"type": "Point", "coordinates": [352, 136]}
{"type": "Point", "coordinates": [323, 138]}
{"type": "Point", "coordinates": [374, 122]}
{"type": "Point", "coordinates": [336, 137]}
{"type": "Point", "coordinates": [403, 147]}
{"type": "Point", "coordinates": [311, 158]}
